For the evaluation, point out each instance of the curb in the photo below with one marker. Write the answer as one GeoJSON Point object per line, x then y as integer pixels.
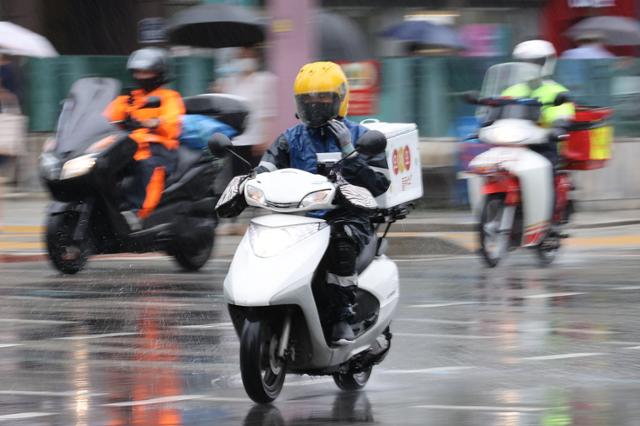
{"type": "Point", "coordinates": [398, 228]}
{"type": "Point", "coordinates": [19, 258]}
{"type": "Point", "coordinates": [472, 227]}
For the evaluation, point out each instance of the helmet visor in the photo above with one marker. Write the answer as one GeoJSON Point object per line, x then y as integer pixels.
{"type": "Point", "coordinates": [316, 109]}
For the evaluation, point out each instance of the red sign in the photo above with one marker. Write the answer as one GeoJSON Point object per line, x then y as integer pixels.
{"type": "Point", "coordinates": [364, 86]}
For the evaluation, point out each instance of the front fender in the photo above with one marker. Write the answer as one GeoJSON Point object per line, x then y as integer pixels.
{"type": "Point", "coordinates": [259, 281]}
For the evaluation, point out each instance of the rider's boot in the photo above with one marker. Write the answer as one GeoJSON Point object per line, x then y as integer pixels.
{"type": "Point", "coordinates": [343, 295]}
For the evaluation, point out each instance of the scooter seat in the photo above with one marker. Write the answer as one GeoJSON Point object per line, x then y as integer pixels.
{"type": "Point", "coordinates": [367, 255]}
{"type": "Point", "coordinates": [187, 158]}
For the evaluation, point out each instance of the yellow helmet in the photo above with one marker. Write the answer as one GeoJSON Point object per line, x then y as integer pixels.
{"type": "Point", "coordinates": [321, 92]}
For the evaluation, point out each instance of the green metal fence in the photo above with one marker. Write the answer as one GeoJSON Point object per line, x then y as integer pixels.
{"type": "Point", "coordinates": [49, 81]}
{"type": "Point", "coordinates": [428, 90]}
{"type": "Point", "coordinates": [424, 90]}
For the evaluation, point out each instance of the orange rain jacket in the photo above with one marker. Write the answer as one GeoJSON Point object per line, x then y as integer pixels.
{"type": "Point", "coordinates": [169, 113]}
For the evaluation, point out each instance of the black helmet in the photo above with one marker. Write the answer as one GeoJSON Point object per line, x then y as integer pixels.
{"type": "Point", "coordinates": [149, 59]}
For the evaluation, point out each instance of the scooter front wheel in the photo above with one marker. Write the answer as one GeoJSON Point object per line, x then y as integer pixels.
{"type": "Point", "coordinates": [353, 381]}
{"type": "Point", "coordinates": [262, 371]}
{"type": "Point", "coordinates": [493, 242]}
{"type": "Point", "coordinates": [68, 256]}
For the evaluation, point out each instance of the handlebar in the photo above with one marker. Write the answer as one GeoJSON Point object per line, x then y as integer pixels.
{"type": "Point", "coordinates": [498, 102]}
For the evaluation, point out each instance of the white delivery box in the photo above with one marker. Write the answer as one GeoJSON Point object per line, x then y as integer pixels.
{"type": "Point", "coordinates": [403, 157]}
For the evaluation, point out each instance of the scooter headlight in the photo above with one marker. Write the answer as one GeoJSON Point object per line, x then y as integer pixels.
{"type": "Point", "coordinates": [256, 195]}
{"type": "Point", "coordinates": [78, 166]}
{"type": "Point", "coordinates": [317, 197]}
{"type": "Point", "coordinates": [268, 241]}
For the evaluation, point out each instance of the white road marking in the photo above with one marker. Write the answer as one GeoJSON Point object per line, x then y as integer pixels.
{"type": "Point", "coordinates": [31, 321]}
{"type": "Point", "coordinates": [223, 325]}
{"type": "Point", "coordinates": [20, 416]}
{"type": "Point", "coordinates": [504, 408]}
{"type": "Point", "coordinates": [434, 370]}
{"type": "Point", "coordinates": [9, 345]}
{"type": "Point", "coordinates": [552, 295]}
{"type": "Point", "coordinates": [160, 400]}
{"type": "Point", "coordinates": [633, 347]}
{"type": "Point", "coordinates": [434, 258]}
{"type": "Point", "coordinates": [446, 336]}
{"type": "Point", "coordinates": [437, 321]}
{"type": "Point", "coordinates": [577, 331]}
{"type": "Point", "coordinates": [442, 305]}
{"type": "Point", "coordinates": [48, 393]}
{"type": "Point", "coordinates": [96, 336]}
{"type": "Point", "coordinates": [309, 382]}
{"type": "Point", "coordinates": [562, 356]}
{"type": "Point", "coordinates": [619, 343]}
{"type": "Point", "coordinates": [224, 399]}
{"type": "Point", "coordinates": [626, 287]}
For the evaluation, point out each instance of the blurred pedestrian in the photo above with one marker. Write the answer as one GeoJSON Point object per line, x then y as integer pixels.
{"type": "Point", "coordinates": [248, 79]}
{"type": "Point", "coordinates": [589, 46]}
{"type": "Point", "coordinates": [12, 135]}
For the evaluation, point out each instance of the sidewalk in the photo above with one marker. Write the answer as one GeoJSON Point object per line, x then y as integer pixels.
{"type": "Point", "coordinates": [22, 222]}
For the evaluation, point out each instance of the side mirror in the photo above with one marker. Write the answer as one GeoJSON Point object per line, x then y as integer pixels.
{"type": "Point", "coordinates": [152, 102]}
{"type": "Point", "coordinates": [219, 144]}
{"type": "Point", "coordinates": [561, 98]}
{"type": "Point", "coordinates": [472, 97]}
{"type": "Point", "coordinates": [372, 143]}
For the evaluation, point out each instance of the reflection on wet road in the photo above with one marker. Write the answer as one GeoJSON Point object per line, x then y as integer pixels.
{"type": "Point", "coordinates": [136, 343]}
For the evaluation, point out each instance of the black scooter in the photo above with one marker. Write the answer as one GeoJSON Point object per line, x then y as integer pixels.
{"type": "Point", "coordinates": [85, 169]}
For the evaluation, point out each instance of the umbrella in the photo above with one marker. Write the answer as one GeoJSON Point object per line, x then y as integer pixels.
{"type": "Point", "coordinates": [19, 41]}
{"type": "Point", "coordinates": [426, 33]}
{"type": "Point", "coordinates": [615, 30]}
{"type": "Point", "coordinates": [216, 26]}
{"type": "Point", "coordinates": [339, 38]}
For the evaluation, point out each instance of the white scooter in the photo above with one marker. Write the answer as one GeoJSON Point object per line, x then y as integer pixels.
{"type": "Point", "coordinates": [275, 288]}
{"type": "Point", "coordinates": [515, 192]}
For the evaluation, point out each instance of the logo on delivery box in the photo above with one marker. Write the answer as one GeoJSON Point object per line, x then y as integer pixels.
{"type": "Point", "coordinates": [401, 160]}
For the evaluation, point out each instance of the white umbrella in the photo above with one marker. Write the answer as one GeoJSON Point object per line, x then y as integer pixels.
{"type": "Point", "coordinates": [19, 41]}
{"type": "Point", "coordinates": [615, 30]}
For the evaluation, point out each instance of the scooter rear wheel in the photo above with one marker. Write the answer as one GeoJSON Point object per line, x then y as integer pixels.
{"type": "Point", "coordinates": [66, 255]}
{"type": "Point", "coordinates": [547, 251]}
{"type": "Point", "coordinates": [262, 372]}
{"type": "Point", "coordinates": [353, 381]}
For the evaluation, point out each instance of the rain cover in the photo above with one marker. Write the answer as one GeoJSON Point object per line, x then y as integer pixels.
{"type": "Point", "coordinates": [500, 77]}
{"type": "Point", "coordinates": [81, 121]}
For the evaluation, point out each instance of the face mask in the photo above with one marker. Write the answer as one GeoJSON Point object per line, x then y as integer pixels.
{"type": "Point", "coordinates": [245, 65]}
{"type": "Point", "coordinates": [150, 84]}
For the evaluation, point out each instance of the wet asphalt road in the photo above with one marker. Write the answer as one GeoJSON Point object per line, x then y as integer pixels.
{"type": "Point", "coordinates": [134, 342]}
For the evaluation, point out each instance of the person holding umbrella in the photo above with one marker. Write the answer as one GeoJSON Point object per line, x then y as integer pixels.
{"type": "Point", "coordinates": [590, 46]}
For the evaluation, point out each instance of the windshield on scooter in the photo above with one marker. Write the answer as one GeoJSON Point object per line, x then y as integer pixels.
{"type": "Point", "coordinates": [82, 121]}
{"type": "Point", "coordinates": [505, 92]}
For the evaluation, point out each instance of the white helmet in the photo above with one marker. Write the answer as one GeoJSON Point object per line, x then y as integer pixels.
{"type": "Point", "coordinates": [540, 52]}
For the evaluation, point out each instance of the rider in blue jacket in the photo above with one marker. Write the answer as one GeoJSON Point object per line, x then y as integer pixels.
{"type": "Point", "coordinates": [322, 99]}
